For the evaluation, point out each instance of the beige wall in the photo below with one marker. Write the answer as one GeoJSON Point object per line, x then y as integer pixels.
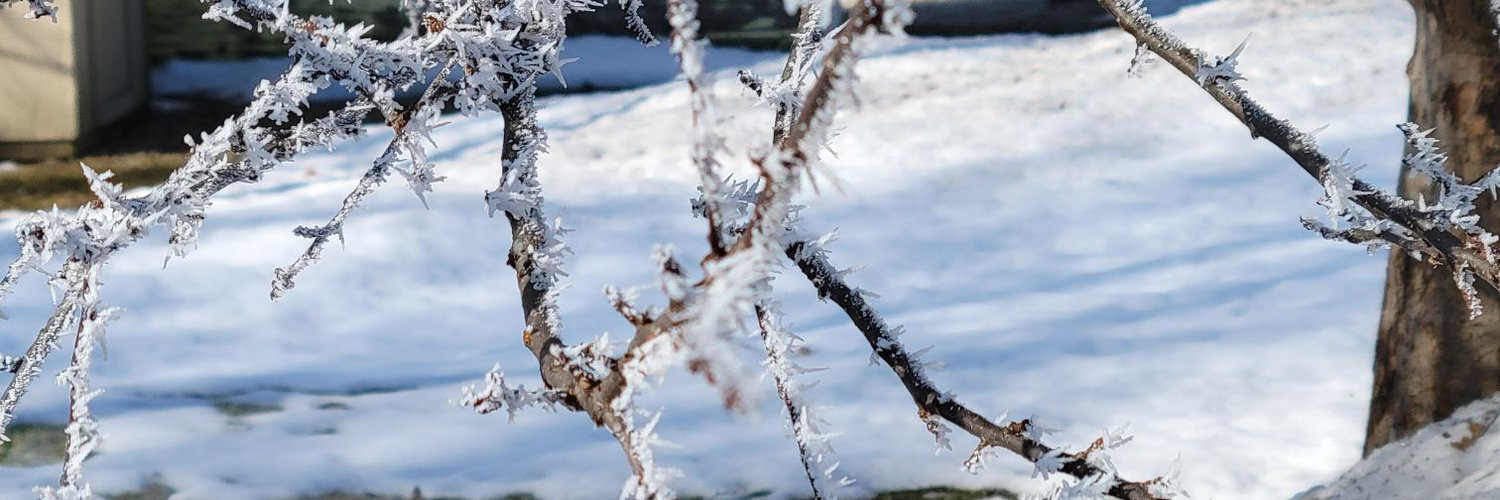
{"type": "Point", "coordinates": [60, 80]}
{"type": "Point", "coordinates": [38, 95]}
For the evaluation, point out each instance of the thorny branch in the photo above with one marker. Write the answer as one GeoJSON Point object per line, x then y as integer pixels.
{"type": "Point", "coordinates": [502, 47]}
{"type": "Point", "coordinates": [1441, 234]}
{"type": "Point", "coordinates": [246, 147]}
{"type": "Point", "coordinates": [1020, 437]}
{"type": "Point", "coordinates": [414, 118]}
{"type": "Point", "coordinates": [810, 256]}
{"type": "Point", "coordinates": [30, 364]}
{"type": "Point", "coordinates": [718, 201]}
{"type": "Point", "coordinates": [701, 316]}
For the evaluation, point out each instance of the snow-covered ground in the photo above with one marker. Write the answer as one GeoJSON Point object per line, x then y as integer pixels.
{"type": "Point", "coordinates": [1089, 248]}
{"type": "Point", "coordinates": [1454, 458]}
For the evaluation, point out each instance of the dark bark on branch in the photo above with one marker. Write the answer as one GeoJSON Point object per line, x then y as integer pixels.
{"type": "Point", "coordinates": [933, 402]}
{"type": "Point", "coordinates": [1444, 248]}
{"type": "Point", "coordinates": [580, 390]}
{"type": "Point", "coordinates": [1430, 357]}
{"type": "Point", "coordinates": [794, 412]}
{"type": "Point", "coordinates": [790, 127]}
{"type": "Point", "coordinates": [590, 393]}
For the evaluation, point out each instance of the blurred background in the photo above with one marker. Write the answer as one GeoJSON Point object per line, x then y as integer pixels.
{"type": "Point", "coordinates": [118, 84]}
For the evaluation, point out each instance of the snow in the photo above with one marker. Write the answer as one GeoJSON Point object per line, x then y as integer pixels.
{"type": "Point", "coordinates": [1078, 245]}
{"type": "Point", "coordinates": [1454, 458]}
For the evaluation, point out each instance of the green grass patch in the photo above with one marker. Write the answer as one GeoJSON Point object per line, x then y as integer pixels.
{"type": "Point", "coordinates": [38, 186]}
{"type": "Point", "coordinates": [153, 489]}
{"type": "Point", "coordinates": [32, 444]}
{"type": "Point", "coordinates": [238, 409]}
{"type": "Point", "coordinates": [946, 493]}
{"type": "Point", "coordinates": [416, 494]}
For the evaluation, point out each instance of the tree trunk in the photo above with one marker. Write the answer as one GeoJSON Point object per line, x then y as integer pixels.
{"type": "Point", "coordinates": [1429, 358]}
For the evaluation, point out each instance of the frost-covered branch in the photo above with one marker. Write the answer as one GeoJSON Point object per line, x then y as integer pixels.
{"type": "Point", "coordinates": [698, 327]}
{"type": "Point", "coordinates": [713, 311]}
{"type": "Point", "coordinates": [785, 94]}
{"type": "Point", "coordinates": [498, 395]}
{"type": "Point", "coordinates": [1445, 233]}
{"type": "Point", "coordinates": [82, 429]}
{"type": "Point", "coordinates": [814, 444]}
{"type": "Point", "coordinates": [30, 365]}
{"type": "Point", "coordinates": [1020, 437]}
{"type": "Point", "coordinates": [637, 24]}
{"type": "Point", "coordinates": [411, 127]}
{"type": "Point", "coordinates": [792, 125]}
{"type": "Point", "coordinates": [273, 129]}
{"type": "Point", "coordinates": [682, 15]}
{"type": "Point", "coordinates": [585, 377]}
{"type": "Point", "coordinates": [241, 150]}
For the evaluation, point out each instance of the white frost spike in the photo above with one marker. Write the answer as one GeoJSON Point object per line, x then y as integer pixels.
{"type": "Point", "coordinates": [107, 192]}
{"type": "Point", "coordinates": [1223, 70]}
{"type": "Point", "coordinates": [939, 431]}
{"type": "Point", "coordinates": [1098, 453]}
{"type": "Point", "coordinates": [1463, 277]}
{"type": "Point", "coordinates": [1169, 485]}
{"type": "Point", "coordinates": [1133, 7]}
{"type": "Point", "coordinates": [653, 484]}
{"type": "Point", "coordinates": [1094, 487]}
{"type": "Point", "coordinates": [499, 395]}
{"type": "Point", "coordinates": [633, 19]}
{"type": "Point", "coordinates": [975, 463]}
{"type": "Point", "coordinates": [502, 46]}
{"type": "Point", "coordinates": [1117, 438]}
{"type": "Point", "coordinates": [420, 179]}
{"type": "Point", "coordinates": [1143, 57]}
{"type": "Point", "coordinates": [1339, 191]}
{"type": "Point", "coordinates": [1036, 431]}
{"type": "Point", "coordinates": [814, 445]}
{"type": "Point", "coordinates": [1048, 464]}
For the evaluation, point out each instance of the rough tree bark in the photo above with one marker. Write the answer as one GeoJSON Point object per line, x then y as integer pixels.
{"type": "Point", "coordinates": [1429, 358]}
